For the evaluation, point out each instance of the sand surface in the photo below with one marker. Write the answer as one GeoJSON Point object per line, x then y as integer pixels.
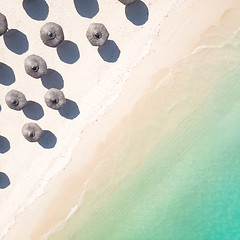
{"type": "Point", "coordinates": [102, 85]}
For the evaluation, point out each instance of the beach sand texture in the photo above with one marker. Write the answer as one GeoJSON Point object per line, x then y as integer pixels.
{"type": "Point", "coordinates": [102, 86]}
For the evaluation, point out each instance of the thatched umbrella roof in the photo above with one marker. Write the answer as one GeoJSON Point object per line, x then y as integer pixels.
{"type": "Point", "coordinates": [97, 34]}
{"type": "Point", "coordinates": [16, 100]}
{"type": "Point", "coordinates": [127, 2]}
{"type": "Point", "coordinates": [55, 98]}
{"type": "Point", "coordinates": [32, 132]}
{"type": "Point", "coordinates": [52, 34]}
{"type": "Point", "coordinates": [3, 24]}
{"type": "Point", "coordinates": [35, 66]}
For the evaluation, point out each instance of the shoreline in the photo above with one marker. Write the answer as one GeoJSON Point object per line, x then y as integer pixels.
{"type": "Point", "coordinates": [107, 121]}
{"type": "Point", "coordinates": [63, 151]}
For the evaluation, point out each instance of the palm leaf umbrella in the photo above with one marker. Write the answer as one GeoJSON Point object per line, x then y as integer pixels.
{"type": "Point", "coordinates": [55, 98]}
{"type": "Point", "coordinates": [97, 34]}
{"type": "Point", "coordinates": [52, 34]}
{"type": "Point", "coordinates": [3, 24]}
{"type": "Point", "coordinates": [35, 66]}
{"type": "Point", "coordinates": [127, 2]}
{"type": "Point", "coordinates": [16, 100]}
{"type": "Point", "coordinates": [32, 132]}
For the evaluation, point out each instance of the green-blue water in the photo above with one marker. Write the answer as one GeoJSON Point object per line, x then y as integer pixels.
{"type": "Point", "coordinates": [174, 173]}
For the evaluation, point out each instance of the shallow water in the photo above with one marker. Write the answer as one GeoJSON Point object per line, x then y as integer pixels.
{"type": "Point", "coordinates": [172, 169]}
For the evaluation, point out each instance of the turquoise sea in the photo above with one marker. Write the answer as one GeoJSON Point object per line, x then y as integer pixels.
{"type": "Point", "coordinates": [174, 171]}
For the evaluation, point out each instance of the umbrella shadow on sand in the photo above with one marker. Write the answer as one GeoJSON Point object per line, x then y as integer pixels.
{"type": "Point", "coordinates": [33, 110]}
{"type": "Point", "coordinates": [36, 9]}
{"type": "Point", "coordinates": [68, 52]}
{"type": "Point", "coordinates": [7, 76]}
{"type": "Point", "coordinates": [52, 79]}
{"type": "Point", "coordinates": [109, 52]}
{"type": "Point", "coordinates": [137, 13]}
{"type": "Point", "coordinates": [70, 110]}
{"type": "Point", "coordinates": [48, 139]}
{"type": "Point", "coordinates": [4, 180]}
{"type": "Point", "coordinates": [87, 8]}
{"type": "Point", "coordinates": [16, 41]}
{"type": "Point", "coordinates": [4, 144]}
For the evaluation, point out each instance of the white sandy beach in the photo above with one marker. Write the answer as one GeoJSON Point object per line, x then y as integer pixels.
{"type": "Point", "coordinates": [103, 91]}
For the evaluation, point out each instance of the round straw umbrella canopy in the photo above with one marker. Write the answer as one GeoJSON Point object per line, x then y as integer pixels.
{"type": "Point", "coordinates": [52, 34]}
{"type": "Point", "coordinates": [16, 100]}
{"type": "Point", "coordinates": [3, 24]}
{"type": "Point", "coordinates": [127, 2]}
{"type": "Point", "coordinates": [32, 132]}
{"type": "Point", "coordinates": [35, 66]}
{"type": "Point", "coordinates": [97, 34]}
{"type": "Point", "coordinates": [55, 98]}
